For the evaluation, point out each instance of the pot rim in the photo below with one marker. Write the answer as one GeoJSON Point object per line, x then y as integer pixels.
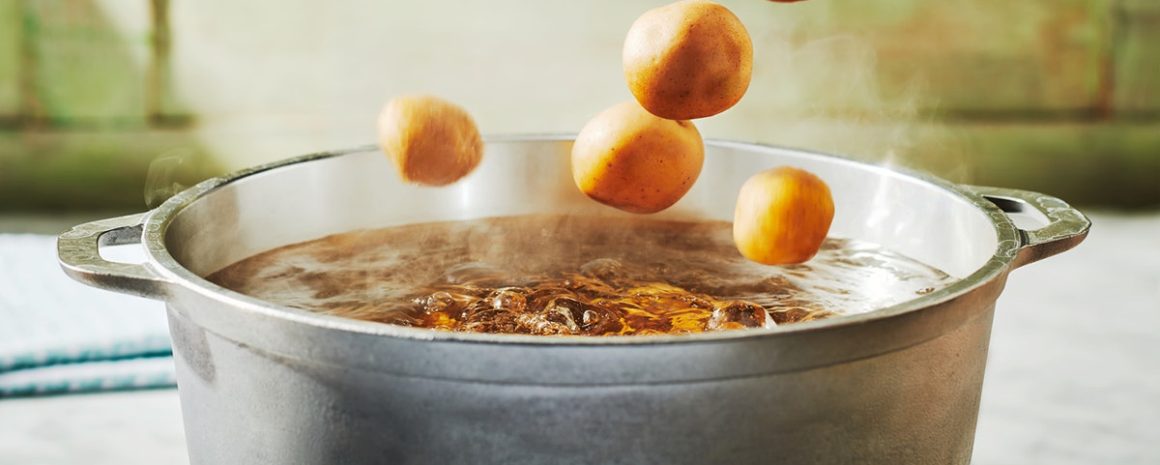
{"type": "Point", "coordinates": [157, 221]}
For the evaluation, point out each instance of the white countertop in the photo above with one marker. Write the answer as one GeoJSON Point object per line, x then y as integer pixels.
{"type": "Point", "coordinates": [1073, 375]}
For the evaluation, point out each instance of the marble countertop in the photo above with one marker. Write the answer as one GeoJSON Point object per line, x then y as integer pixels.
{"type": "Point", "coordinates": [1073, 375]}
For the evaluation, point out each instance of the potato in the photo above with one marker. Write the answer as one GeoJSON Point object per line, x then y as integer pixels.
{"type": "Point", "coordinates": [782, 216]}
{"type": "Point", "coordinates": [432, 141]}
{"type": "Point", "coordinates": [688, 60]}
{"type": "Point", "coordinates": [630, 159]}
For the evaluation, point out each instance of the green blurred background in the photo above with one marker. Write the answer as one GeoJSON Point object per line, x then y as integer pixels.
{"type": "Point", "coordinates": [105, 103]}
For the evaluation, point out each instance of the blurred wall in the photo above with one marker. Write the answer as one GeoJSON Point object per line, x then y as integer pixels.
{"type": "Point", "coordinates": [1059, 96]}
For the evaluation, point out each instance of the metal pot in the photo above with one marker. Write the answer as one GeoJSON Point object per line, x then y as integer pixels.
{"type": "Point", "coordinates": [261, 383]}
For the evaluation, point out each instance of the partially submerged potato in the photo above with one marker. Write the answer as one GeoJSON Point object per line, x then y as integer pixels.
{"type": "Point", "coordinates": [687, 60]}
{"type": "Point", "coordinates": [630, 159]}
{"type": "Point", "coordinates": [782, 216]}
{"type": "Point", "coordinates": [432, 141]}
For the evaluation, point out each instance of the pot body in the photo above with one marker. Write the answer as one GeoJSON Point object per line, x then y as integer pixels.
{"type": "Point", "coordinates": [263, 384]}
{"type": "Point", "coordinates": [914, 406]}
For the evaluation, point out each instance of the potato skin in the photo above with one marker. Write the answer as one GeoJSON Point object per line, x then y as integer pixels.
{"type": "Point", "coordinates": [630, 159]}
{"type": "Point", "coordinates": [432, 141]}
{"type": "Point", "coordinates": [782, 216]}
{"type": "Point", "coordinates": [688, 60]}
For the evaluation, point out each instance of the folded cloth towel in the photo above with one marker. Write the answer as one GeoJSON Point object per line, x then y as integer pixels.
{"type": "Point", "coordinates": [57, 335]}
{"type": "Point", "coordinates": [115, 375]}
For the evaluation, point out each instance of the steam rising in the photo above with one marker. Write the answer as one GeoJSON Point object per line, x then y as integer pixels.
{"type": "Point", "coordinates": [829, 94]}
{"type": "Point", "coordinates": [161, 179]}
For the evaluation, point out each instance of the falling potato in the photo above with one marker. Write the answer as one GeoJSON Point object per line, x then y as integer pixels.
{"type": "Point", "coordinates": [630, 159]}
{"type": "Point", "coordinates": [432, 141]}
{"type": "Point", "coordinates": [782, 216]}
{"type": "Point", "coordinates": [686, 60]}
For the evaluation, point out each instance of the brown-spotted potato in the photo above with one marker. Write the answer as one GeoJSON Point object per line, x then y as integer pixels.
{"type": "Point", "coordinates": [628, 158]}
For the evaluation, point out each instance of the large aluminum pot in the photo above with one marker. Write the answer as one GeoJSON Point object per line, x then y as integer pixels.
{"type": "Point", "coordinates": [266, 384]}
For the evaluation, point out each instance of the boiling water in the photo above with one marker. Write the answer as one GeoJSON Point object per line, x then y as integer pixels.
{"type": "Point", "coordinates": [573, 275]}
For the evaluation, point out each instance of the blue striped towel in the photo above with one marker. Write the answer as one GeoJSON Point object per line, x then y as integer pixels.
{"type": "Point", "coordinates": [60, 336]}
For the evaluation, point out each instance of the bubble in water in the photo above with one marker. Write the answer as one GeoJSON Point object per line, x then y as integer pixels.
{"type": "Point", "coordinates": [509, 298]}
{"type": "Point", "coordinates": [736, 314]}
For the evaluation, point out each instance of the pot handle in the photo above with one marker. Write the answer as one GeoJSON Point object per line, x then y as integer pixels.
{"type": "Point", "coordinates": [79, 252]}
{"type": "Point", "coordinates": [1066, 226]}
